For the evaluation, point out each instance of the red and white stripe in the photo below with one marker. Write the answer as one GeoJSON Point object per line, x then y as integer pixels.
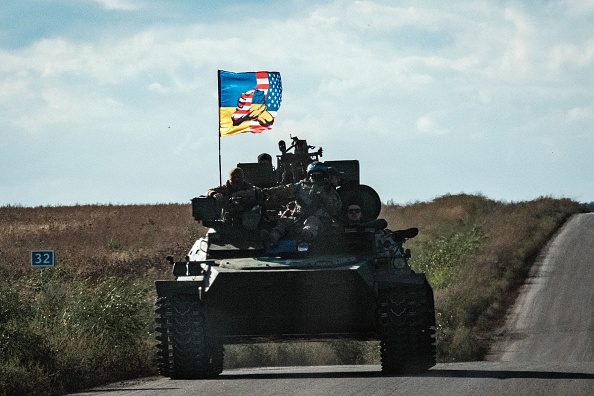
{"type": "Point", "coordinates": [262, 81]}
{"type": "Point", "coordinates": [243, 106]}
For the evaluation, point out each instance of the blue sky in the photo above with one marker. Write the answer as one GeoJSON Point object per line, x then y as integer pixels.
{"type": "Point", "coordinates": [115, 101]}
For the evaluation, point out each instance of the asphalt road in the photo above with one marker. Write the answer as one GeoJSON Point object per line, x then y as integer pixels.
{"type": "Point", "coordinates": [547, 347]}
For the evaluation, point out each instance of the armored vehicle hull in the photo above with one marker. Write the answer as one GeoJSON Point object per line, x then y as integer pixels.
{"type": "Point", "coordinates": [232, 288]}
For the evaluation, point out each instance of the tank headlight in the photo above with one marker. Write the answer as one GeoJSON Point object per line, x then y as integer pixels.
{"type": "Point", "coordinates": [203, 245]}
{"type": "Point", "coordinates": [303, 247]}
{"type": "Point", "coordinates": [398, 263]}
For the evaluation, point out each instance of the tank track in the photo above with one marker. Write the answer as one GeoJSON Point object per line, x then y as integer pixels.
{"type": "Point", "coordinates": [407, 328]}
{"type": "Point", "coordinates": [184, 351]}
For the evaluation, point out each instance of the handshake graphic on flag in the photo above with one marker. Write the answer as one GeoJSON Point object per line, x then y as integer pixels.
{"type": "Point", "coordinates": [248, 102]}
{"type": "Point", "coordinates": [252, 106]}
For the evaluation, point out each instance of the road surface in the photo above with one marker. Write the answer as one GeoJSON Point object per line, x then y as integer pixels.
{"type": "Point", "coordinates": [546, 348]}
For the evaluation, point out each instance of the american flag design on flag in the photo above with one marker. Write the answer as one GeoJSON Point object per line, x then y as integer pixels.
{"type": "Point", "coordinates": [248, 102]}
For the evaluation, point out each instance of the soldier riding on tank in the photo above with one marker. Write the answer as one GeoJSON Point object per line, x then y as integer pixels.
{"type": "Point", "coordinates": [315, 206]}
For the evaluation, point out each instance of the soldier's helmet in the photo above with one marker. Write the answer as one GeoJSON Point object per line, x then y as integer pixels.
{"type": "Point", "coordinates": [317, 170]}
{"type": "Point", "coordinates": [317, 167]}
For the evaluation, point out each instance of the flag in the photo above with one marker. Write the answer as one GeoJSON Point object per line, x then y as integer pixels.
{"type": "Point", "coordinates": [248, 102]}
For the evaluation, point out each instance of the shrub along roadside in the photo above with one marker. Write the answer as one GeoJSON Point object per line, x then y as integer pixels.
{"type": "Point", "coordinates": [73, 335]}
{"type": "Point", "coordinates": [477, 252]}
{"type": "Point", "coordinates": [90, 320]}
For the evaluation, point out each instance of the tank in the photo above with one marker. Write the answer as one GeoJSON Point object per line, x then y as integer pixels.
{"type": "Point", "coordinates": [353, 283]}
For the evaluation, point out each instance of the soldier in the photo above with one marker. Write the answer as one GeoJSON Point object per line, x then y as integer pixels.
{"type": "Point", "coordinates": [315, 205]}
{"type": "Point", "coordinates": [355, 218]}
{"type": "Point", "coordinates": [387, 243]}
{"type": "Point", "coordinates": [238, 199]}
{"type": "Point", "coordinates": [234, 184]}
{"type": "Point", "coordinates": [265, 158]}
{"type": "Point", "coordinates": [354, 215]}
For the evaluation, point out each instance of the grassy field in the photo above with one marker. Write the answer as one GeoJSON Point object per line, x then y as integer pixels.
{"type": "Point", "coordinates": [89, 320]}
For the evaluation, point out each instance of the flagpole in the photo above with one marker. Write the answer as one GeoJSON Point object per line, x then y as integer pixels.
{"type": "Point", "coordinates": [219, 130]}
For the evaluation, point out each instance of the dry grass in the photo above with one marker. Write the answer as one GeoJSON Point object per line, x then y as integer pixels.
{"type": "Point", "coordinates": [95, 241]}
{"type": "Point", "coordinates": [89, 320]}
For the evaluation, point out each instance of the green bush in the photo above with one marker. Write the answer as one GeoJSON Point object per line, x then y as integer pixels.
{"type": "Point", "coordinates": [442, 258]}
{"type": "Point", "coordinates": [74, 334]}
{"type": "Point", "coordinates": [112, 307]}
{"type": "Point", "coordinates": [27, 359]}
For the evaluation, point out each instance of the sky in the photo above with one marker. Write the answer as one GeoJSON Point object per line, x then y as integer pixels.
{"type": "Point", "coordinates": [115, 101]}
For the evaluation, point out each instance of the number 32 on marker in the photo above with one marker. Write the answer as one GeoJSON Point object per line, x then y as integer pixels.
{"type": "Point", "coordinates": [42, 258]}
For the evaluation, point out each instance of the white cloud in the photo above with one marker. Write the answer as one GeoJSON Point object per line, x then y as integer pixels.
{"type": "Point", "coordinates": [518, 54]}
{"type": "Point", "coordinates": [579, 7]}
{"type": "Point", "coordinates": [11, 90]}
{"type": "Point", "coordinates": [426, 125]}
{"type": "Point", "coordinates": [157, 87]}
{"type": "Point", "coordinates": [581, 113]}
{"type": "Point", "coordinates": [570, 55]}
{"type": "Point", "coordinates": [59, 107]}
{"type": "Point", "coordinates": [369, 14]}
{"type": "Point", "coordinates": [120, 5]}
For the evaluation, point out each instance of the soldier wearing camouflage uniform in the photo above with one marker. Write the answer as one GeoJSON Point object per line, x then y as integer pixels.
{"type": "Point", "coordinates": [315, 205]}
{"type": "Point", "coordinates": [234, 184]}
{"type": "Point", "coordinates": [387, 243]}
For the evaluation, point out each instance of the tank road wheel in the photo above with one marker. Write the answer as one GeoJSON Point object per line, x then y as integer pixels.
{"type": "Point", "coordinates": [407, 325]}
{"type": "Point", "coordinates": [184, 350]}
{"type": "Point", "coordinates": [163, 319]}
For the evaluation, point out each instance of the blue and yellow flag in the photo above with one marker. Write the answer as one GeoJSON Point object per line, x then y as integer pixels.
{"type": "Point", "coordinates": [248, 102]}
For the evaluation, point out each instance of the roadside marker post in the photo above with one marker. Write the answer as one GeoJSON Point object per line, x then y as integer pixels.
{"type": "Point", "coordinates": [42, 259]}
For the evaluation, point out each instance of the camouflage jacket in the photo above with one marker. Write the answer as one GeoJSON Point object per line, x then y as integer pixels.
{"type": "Point", "coordinates": [227, 189]}
{"type": "Point", "coordinates": [308, 199]}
